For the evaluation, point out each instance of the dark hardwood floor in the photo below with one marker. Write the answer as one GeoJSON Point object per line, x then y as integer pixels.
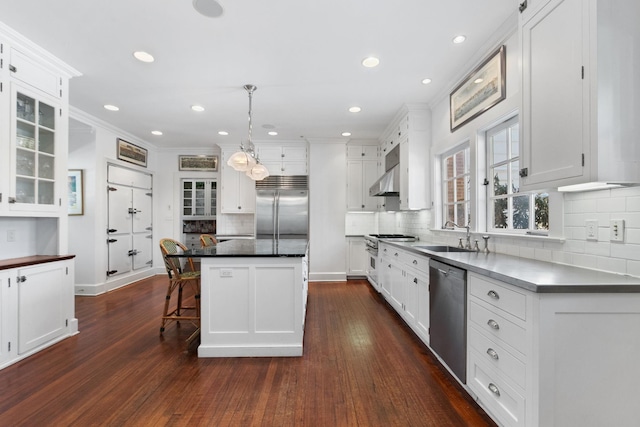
{"type": "Point", "coordinates": [361, 367]}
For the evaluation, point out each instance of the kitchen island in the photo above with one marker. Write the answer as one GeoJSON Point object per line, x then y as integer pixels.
{"type": "Point", "coordinates": [253, 297]}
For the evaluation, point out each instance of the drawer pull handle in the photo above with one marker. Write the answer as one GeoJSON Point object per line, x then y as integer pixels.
{"type": "Point", "coordinates": [493, 389]}
{"type": "Point", "coordinates": [415, 261]}
{"type": "Point", "coordinates": [493, 294]}
{"type": "Point", "coordinates": [396, 254]}
{"type": "Point", "coordinates": [494, 354]}
{"type": "Point", "coordinates": [493, 324]}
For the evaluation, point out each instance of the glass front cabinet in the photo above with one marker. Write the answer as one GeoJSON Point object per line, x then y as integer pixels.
{"type": "Point", "coordinates": [199, 198]}
{"type": "Point", "coordinates": [36, 158]}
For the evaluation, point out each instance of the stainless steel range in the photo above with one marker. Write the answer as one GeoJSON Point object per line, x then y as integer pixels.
{"type": "Point", "coordinates": [371, 241]}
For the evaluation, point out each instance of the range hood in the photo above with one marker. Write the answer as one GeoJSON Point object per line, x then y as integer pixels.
{"type": "Point", "coordinates": [388, 184]}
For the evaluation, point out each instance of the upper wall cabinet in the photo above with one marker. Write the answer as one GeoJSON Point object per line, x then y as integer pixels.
{"type": "Point", "coordinates": [580, 61]}
{"type": "Point", "coordinates": [362, 172]}
{"type": "Point", "coordinates": [411, 129]}
{"type": "Point", "coordinates": [33, 129]}
{"type": "Point", "coordinates": [237, 190]}
{"type": "Point", "coordinates": [287, 159]}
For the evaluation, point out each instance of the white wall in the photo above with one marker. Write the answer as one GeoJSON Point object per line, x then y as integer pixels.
{"type": "Point", "coordinates": [327, 209]}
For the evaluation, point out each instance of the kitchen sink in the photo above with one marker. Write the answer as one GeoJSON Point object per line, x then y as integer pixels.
{"type": "Point", "coordinates": [443, 248]}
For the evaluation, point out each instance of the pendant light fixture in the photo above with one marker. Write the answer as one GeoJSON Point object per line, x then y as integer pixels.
{"type": "Point", "coordinates": [246, 159]}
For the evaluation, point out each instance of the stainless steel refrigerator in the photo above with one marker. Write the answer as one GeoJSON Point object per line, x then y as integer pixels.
{"type": "Point", "coordinates": [282, 208]}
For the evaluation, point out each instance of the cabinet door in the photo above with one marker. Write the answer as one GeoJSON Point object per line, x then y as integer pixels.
{"type": "Point", "coordinates": [358, 256]}
{"type": "Point", "coordinates": [369, 175]}
{"type": "Point", "coordinates": [119, 227]}
{"type": "Point", "coordinates": [35, 161]}
{"type": "Point", "coordinates": [142, 205]}
{"type": "Point", "coordinates": [555, 97]}
{"type": "Point", "coordinates": [41, 304]}
{"type": "Point", "coordinates": [294, 168]}
{"type": "Point", "coordinates": [422, 315]}
{"type": "Point", "coordinates": [354, 185]}
{"type": "Point", "coordinates": [238, 191]}
{"type": "Point", "coordinates": [8, 315]}
{"type": "Point", "coordinates": [294, 153]}
{"type": "Point", "coordinates": [398, 285]}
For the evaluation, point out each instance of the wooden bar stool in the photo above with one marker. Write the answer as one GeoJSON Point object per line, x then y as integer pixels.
{"type": "Point", "coordinates": [179, 279]}
{"type": "Point", "coordinates": [207, 240]}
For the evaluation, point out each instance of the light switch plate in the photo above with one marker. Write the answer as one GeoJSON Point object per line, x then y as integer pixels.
{"type": "Point", "coordinates": [617, 230]}
{"type": "Point", "coordinates": [592, 229]}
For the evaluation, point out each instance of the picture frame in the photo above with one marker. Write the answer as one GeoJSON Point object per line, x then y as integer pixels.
{"type": "Point", "coordinates": [131, 153]}
{"type": "Point", "coordinates": [481, 89]}
{"type": "Point", "coordinates": [75, 187]}
{"type": "Point", "coordinates": [198, 163]}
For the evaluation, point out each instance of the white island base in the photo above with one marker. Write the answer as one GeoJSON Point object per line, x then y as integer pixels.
{"type": "Point", "coordinates": [252, 306]}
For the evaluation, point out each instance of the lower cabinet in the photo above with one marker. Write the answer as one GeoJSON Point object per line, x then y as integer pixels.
{"type": "Point", "coordinates": [357, 256]}
{"type": "Point", "coordinates": [37, 308]}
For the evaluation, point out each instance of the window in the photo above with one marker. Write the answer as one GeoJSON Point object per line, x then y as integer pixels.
{"type": "Point", "coordinates": [455, 187]}
{"type": "Point", "coordinates": [508, 208]}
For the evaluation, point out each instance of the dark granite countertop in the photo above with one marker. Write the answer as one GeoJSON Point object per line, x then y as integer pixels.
{"type": "Point", "coordinates": [533, 275]}
{"type": "Point", "coordinates": [250, 248]}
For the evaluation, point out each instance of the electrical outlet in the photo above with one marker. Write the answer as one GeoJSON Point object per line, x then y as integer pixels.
{"type": "Point", "coordinates": [617, 230]}
{"type": "Point", "coordinates": [592, 229]}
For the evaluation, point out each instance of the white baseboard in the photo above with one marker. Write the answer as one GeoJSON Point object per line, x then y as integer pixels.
{"type": "Point", "coordinates": [328, 276]}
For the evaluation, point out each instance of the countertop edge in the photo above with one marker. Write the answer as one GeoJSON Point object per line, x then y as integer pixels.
{"type": "Point", "coordinates": [10, 263]}
{"type": "Point", "coordinates": [610, 282]}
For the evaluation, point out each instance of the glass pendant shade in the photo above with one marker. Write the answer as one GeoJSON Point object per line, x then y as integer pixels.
{"type": "Point", "coordinates": [258, 172]}
{"type": "Point", "coordinates": [241, 161]}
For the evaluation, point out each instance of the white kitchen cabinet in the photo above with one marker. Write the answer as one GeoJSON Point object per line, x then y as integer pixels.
{"type": "Point", "coordinates": [8, 317]}
{"type": "Point", "coordinates": [357, 256]}
{"type": "Point", "coordinates": [577, 122]}
{"type": "Point", "coordinates": [284, 159]}
{"type": "Point", "coordinates": [37, 307]}
{"type": "Point", "coordinates": [412, 130]}
{"type": "Point", "coordinates": [361, 174]}
{"type": "Point", "coordinates": [199, 198]}
{"type": "Point", "coordinates": [237, 190]}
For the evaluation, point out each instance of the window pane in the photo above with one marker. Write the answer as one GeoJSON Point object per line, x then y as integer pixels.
{"type": "Point", "coordinates": [460, 216]}
{"type": "Point", "coordinates": [499, 145]}
{"type": "Point", "coordinates": [460, 163]}
{"type": "Point", "coordinates": [542, 211]}
{"type": "Point", "coordinates": [450, 213]}
{"type": "Point", "coordinates": [500, 210]}
{"type": "Point", "coordinates": [460, 189]}
{"type": "Point", "coordinates": [500, 180]}
{"type": "Point", "coordinates": [449, 191]}
{"type": "Point", "coordinates": [521, 212]}
{"type": "Point", "coordinates": [449, 167]}
{"type": "Point", "coordinates": [515, 177]}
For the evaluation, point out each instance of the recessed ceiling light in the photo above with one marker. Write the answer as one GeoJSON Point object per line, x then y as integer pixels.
{"type": "Point", "coordinates": [198, 108]}
{"type": "Point", "coordinates": [476, 81]}
{"type": "Point", "coordinates": [459, 39]}
{"type": "Point", "coordinates": [370, 62]}
{"type": "Point", "coordinates": [156, 132]}
{"type": "Point", "coordinates": [355, 109]}
{"type": "Point", "coordinates": [223, 133]}
{"type": "Point", "coordinates": [111, 107]}
{"type": "Point", "coordinates": [143, 56]}
{"type": "Point", "coordinates": [426, 81]}
{"type": "Point", "coordinates": [273, 133]}
{"type": "Point", "coordinates": [208, 8]}
{"type": "Point", "coordinates": [346, 133]}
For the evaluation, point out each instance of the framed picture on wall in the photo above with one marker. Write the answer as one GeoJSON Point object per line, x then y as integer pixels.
{"type": "Point", "coordinates": [76, 192]}
{"type": "Point", "coordinates": [480, 90]}
{"type": "Point", "coordinates": [198, 163]}
{"type": "Point", "coordinates": [131, 153]}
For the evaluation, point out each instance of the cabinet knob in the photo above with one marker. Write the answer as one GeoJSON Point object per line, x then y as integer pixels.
{"type": "Point", "coordinates": [494, 389]}
{"type": "Point", "coordinates": [493, 294]}
{"type": "Point", "coordinates": [239, 207]}
{"type": "Point", "coordinates": [493, 324]}
{"type": "Point", "coordinates": [522, 6]}
{"type": "Point", "coordinates": [415, 280]}
{"type": "Point", "coordinates": [21, 279]}
{"type": "Point", "coordinates": [491, 352]}
{"type": "Point", "coordinates": [415, 262]}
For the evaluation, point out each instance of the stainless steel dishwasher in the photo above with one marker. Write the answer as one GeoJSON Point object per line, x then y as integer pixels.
{"type": "Point", "coordinates": [448, 316]}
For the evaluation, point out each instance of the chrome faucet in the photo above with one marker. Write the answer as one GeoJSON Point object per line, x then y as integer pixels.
{"type": "Point", "coordinates": [467, 227]}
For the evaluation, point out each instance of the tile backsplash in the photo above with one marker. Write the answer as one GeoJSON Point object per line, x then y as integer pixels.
{"type": "Point", "coordinates": [602, 206]}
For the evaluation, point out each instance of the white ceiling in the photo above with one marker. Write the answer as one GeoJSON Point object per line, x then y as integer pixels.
{"type": "Point", "coordinates": [303, 55]}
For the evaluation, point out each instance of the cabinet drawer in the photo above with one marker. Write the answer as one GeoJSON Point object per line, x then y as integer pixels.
{"type": "Point", "coordinates": [498, 327]}
{"type": "Point", "coordinates": [497, 356]}
{"type": "Point", "coordinates": [415, 261]}
{"type": "Point", "coordinates": [495, 392]}
{"type": "Point", "coordinates": [502, 297]}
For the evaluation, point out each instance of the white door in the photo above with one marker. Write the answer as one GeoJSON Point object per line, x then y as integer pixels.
{"type": "Point", "coordinates": [141, 251]}
{"type": "Point", "coordinates": [119, 229]}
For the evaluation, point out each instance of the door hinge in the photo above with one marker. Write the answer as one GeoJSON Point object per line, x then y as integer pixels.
{"type": "Point", "coordinates": [111, 188]}
{"type": "Point", "coordinates": [112, 240]}
{"type": "Point", "coordinates": [522, 6]}
{"type": "Point", "coordinates": [582, 159]}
